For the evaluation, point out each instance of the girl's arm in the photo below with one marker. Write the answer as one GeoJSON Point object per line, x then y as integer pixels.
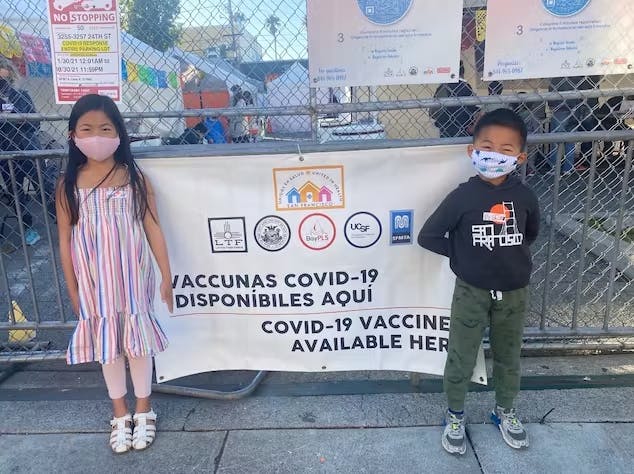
{"type": "Point", "coordinates": [157, 244]}
{"type": "Point", "coordinates": [64, 230]}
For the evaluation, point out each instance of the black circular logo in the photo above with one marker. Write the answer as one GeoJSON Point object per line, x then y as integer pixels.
{"type": "Point", "coordinates": [272, 233]}
{"type": "Point", "coordinates": [363, 230]}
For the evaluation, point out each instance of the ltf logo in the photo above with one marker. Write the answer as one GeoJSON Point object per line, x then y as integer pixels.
{"type": "Point", "coordinates": [227, 234]}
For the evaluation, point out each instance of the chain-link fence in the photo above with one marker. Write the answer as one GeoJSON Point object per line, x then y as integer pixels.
{"type": "Point", "coordinates": [250, 58]}
{"type": "Point", "coordinates": [213, 73]}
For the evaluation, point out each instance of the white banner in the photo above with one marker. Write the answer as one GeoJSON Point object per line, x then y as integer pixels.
{"type": "Point", "coordinates": [383, 42]}
{"type": "Point", "coordinates": [290, 264]}
{"type": "Point", "coordinates": [86, 48]}
{"type": "Point", "coordinates": [550, 38]}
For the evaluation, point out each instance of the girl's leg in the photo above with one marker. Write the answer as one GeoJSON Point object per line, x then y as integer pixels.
{"type": "Point", "coordinates": [114, 375]}
{"type": "Point", "coordinates": [121, 435]}
{"type": "Point", "coordinates": [141, 373]}
{"type": "Point", "coordinates": [144, 418]}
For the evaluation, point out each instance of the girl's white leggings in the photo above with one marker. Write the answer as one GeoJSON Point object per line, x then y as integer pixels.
{"type": "Point", "coordinates": [140, 372]}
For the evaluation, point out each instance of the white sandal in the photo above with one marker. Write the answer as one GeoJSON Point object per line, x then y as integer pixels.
{"type": "Point", "coordinates": [144, 432]}
{"type": "Point", "coordinates": [121, 435]}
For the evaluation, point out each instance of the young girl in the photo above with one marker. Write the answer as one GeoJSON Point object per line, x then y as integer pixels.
{"type": "Point", "coordinates": [106, 219]}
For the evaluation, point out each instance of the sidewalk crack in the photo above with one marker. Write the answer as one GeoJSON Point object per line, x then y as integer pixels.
{"type": "Point", "coordinates": [189, 413]}
{"type": "Point", "coordinates": [467, 431]}
{"type": "Point", "coordinates": [222, 450]}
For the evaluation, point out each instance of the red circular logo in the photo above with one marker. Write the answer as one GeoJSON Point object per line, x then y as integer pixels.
{"type": "Point", "coordinates": [317, 231]}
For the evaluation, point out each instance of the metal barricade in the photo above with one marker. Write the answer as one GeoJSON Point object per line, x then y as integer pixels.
{"type": "Point", "coordinates": [219, 62]}
{"type": "Point", "coordinates": [583, 281]}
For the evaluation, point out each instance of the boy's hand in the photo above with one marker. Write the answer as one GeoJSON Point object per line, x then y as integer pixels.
{"type": "Point", "coordinates": [167, 295]}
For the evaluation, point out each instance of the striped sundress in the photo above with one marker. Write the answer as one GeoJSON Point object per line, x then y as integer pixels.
{"type": "Point", "coordinates": [114, 269]}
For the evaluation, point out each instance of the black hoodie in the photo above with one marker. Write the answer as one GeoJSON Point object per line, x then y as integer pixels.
{"type": "Point", "coordinates": [489, 231]}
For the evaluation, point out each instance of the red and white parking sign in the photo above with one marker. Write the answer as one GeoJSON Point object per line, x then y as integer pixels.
{"type": "Point", "coordinates": [86, 48]}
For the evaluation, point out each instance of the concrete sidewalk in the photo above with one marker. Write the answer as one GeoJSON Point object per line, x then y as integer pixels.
{"type": "Point", "coordinates": [65, 430]}
{"type": "Point", "coordinates": [557, 448]}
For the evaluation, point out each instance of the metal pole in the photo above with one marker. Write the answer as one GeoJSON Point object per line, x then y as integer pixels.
{"type": "Point", "coordinates": [211, 394]}
{"type": "Point", "coordinates": [49, 236]}
{"type": "Point", "coordinates": [233, 33]}
{"type": "Point", "coordinates": [5, 283]}
{"type": "Point", "coordinates": [584, 236]}
{"type": "Point", "coordinates": [27, 258]}
{"type": "Point", "coordinates": [551, 234]}
{"type": "Point", "coordinates": [314, 119]}
{"type": "Point", "coordinates": [363, 107]}
{"type": "Point", "coordinates": [617, 234]}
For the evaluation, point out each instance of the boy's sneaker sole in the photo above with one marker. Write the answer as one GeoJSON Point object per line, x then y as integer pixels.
{"type": "Point", "coordinates": [508, 439]}
{"type": "Point", "coordinates": [451, 449]}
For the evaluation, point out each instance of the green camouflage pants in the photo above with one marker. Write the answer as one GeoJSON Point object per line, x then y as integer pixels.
{"type": "Point", "coordinates": [472, 311]}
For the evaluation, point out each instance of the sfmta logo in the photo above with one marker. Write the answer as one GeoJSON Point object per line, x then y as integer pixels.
{"type": "Point", "coordinates": [402, 223]}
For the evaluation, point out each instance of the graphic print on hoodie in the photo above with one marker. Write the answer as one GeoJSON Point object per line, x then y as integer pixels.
{"type": "Point", "coordinates": [486, 231]}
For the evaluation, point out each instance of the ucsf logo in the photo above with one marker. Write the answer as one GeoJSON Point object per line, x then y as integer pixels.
{"type": "Point", "coordinates": [360, 227]}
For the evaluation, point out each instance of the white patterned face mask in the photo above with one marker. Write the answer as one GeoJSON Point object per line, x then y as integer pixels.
{"type": "Point", "coordinates": [491, 164]}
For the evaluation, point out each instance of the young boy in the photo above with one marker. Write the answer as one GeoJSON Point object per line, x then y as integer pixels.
{"type": "Point", "coordinates": [490, 221]}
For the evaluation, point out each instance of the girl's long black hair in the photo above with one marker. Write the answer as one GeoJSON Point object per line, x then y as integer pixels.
{"type": "Point", "coordinates": [122, 156]}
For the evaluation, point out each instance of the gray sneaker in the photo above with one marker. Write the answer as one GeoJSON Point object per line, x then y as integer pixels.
{"type": "Point", "coordinates": [453, 438]}
{"type": "Point", "coordinates": [512, 430]}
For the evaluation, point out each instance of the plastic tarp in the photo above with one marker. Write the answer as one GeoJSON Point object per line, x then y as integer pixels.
{"type": "Point", "coordinates": [292, 89]}
{"type": "Point", "coordinates": [216, 67]}
{"type": "Point", "coordinates": [207, 84]}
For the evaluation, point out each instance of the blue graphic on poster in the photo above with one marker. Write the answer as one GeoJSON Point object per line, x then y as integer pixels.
{"type": "Point", "coordinates": [385, 12]}
{"type": "Point", "coordinates": [565, 7]}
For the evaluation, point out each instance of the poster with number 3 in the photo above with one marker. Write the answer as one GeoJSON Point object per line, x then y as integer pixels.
{"type": "Point", "coordinates": [383, 42]}
{"type": "Point", "coordinates": [529, 39]}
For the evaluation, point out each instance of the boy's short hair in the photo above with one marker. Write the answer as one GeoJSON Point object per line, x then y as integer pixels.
{"type": "Point", "coordinates": [502, 118]}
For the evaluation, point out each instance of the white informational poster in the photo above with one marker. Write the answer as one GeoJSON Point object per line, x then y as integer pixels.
{"type": "Point", "coordinates": [383, 42]}
{"type": "Point", "coordinates": [306, 265]}
{"type": "Point", "coordinates": [528, 39]}
{"type": "Point", "coordinates": [86, 48]}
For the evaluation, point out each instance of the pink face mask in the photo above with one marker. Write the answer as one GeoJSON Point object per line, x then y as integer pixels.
{"type": "Point", "coordinates": [98, 148]}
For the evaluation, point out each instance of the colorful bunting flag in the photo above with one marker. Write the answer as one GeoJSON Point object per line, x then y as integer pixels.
{"type": "Point", "coordinates": [147, 75]}
{"type": "Point", "coordinates": [9, 44]}
{"type": "Point", "coordinates": [172, 78]}
{"type": "Point", "coordinates": [161, 79]}
{"type": "Point", "coordinates": [133, 71]}
{"type": "Point", "coordinates": [37, 55]}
